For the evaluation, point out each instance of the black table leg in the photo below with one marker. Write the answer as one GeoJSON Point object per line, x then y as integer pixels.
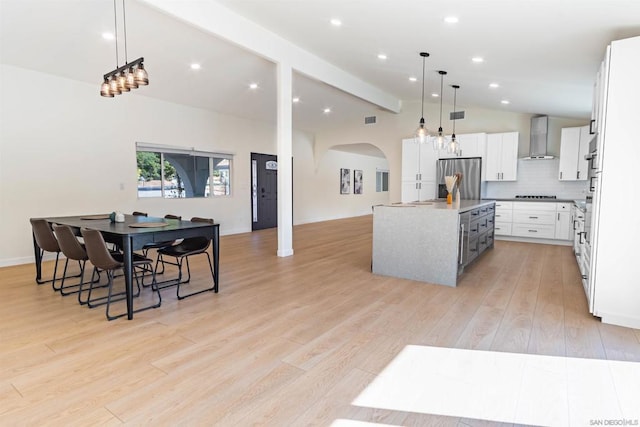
{"type": "Point", "coordinates": [128, 274]}
{"type": "Point", "coordinates": [38, 256]}
{"type": "Point", "coordinates": [216, 256]}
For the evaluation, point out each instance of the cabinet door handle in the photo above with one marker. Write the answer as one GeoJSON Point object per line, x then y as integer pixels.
{"type": "Point", "coordinates": [533, 231]}
{"type": "Point", "coordinates": [560, 175]}
{"type": "Point", "coordinates": [533, 217]}
{"type": "Point", "coordinates": [574, 225]}
{"type": "Point", "coordinates": [591, 187]}
{"type": "Point", "coordinates": [578, 175]}
{"type": "Point", "coordinates": [592, 128]}
{"type": "Point", "coordinates": [497, 176]}
{"type": "Point", "coordinates": [558, 217]}
{"type": "Point", "coordinates": [461, 243]}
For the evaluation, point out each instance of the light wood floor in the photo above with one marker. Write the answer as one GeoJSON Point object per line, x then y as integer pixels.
{"type": "Point", "coordinates": [287, 341]}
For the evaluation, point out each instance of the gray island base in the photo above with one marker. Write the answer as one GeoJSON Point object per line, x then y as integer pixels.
{"type": "Point", "coordinates": [430, 241]}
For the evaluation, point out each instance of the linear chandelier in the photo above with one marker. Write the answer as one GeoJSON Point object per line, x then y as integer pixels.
{"type": "Point", "coordinates": [129, 76]}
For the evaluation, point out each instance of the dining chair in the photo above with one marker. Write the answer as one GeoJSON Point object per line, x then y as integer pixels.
{"type": "Point", "coordinates": [47, 242]}
{"type": "Point", "coordinates": [103, 259]}
{"type": "Point", "coordinates": [181, 252]}
{"type": "Point", "coordinates": [72, 250]}
{"type": "Point", "coordinates": [157, 245]}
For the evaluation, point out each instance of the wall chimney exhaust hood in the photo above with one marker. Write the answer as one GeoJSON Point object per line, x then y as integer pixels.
{"type": "Point", "coordinates": [538, 140]}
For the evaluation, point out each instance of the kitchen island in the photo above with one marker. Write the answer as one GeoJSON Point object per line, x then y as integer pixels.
{"type": "Point", "coordinates": [430, 241]}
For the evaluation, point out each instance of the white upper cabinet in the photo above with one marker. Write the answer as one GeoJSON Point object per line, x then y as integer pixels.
{"type": "Point", "coordinates": [418, 171]}
{"type": "Point", "coordinates": [574, 145]}
{"type": "Point", "coordinates": [410, 160]}
{"type": "Point", "coordinates": [471, 145]}
{"type": "Point", "coordinates": [502, 157]}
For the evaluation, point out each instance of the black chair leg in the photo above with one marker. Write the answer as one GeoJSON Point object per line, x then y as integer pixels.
{"type": "Point", "coordinates": [76, 286]}
{"type": "Point", "coordinates": [154, 288]}
{"type": "Point", "coordinates": [212, 288]}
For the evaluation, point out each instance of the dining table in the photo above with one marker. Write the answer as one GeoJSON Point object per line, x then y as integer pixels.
{"type": "Point", "coordinates": [132, 234]}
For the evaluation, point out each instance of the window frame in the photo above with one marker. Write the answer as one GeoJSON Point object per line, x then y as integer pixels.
{"type": "Point", "coordinates": [167, 149]}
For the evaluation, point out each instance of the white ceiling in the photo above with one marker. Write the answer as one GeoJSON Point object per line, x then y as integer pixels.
{"type": "Point", "coordinates": [543, 53]}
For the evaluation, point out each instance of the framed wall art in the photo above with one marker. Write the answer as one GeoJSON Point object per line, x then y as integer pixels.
{"type": "Point", "coordinates": [345, 181]}
{"type": "Point", "coordinates": [357, 181]}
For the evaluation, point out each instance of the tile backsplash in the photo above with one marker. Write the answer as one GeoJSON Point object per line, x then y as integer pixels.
{"type": "Point", "coordinates": [538, 178]}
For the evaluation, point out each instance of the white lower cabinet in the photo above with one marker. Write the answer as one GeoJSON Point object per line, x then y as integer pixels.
{"type": "Point", "coordinates": [564, 225]}
{"type": "Point", "coordinates": [504, 218]}
{"type": "Point", "coordinates": [541, 220]}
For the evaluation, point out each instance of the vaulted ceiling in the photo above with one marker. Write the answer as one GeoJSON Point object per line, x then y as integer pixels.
{"type": "Point", "coordinates": [543, 54]}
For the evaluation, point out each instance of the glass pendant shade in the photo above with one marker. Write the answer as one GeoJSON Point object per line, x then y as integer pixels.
{"type": "Point", "coordinates": [141, 76]}
{"type": "Point", "coordinates": [114, 86]}
{"type": "Point", "coordinates": [131, 79]}
{"type": "Point", "coordinates": [453, 147]}
{"type": "Point", "coordinates": [105, 89]}
{"type": "Point", "coordinates": [122, 83]}
{"type": "Point", "coordinates": [439, 141]}
{"type": "Point", "coordinates": [421, 133]}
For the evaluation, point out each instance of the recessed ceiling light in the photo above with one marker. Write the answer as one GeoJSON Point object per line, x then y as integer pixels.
{"type": "Point", "coordinates": [413, 79]}
{"type": "Point", "coordinates": [382, 56]}
{"type": "Point", "coordinates": [108, 36]}
{"type": "Point", "coordinates": [435, 95]}
{"type": "Point", "coordinates": [494, 85]}
{"type": "Point", "coordinates": [295, 100]}
{"type": "Point", "coordinates": [451, 19]}
{"type": "Point", "coordinates": [477, 59]}
{"type": "Point", "coordinates": [336, 22]}
{"type": "Point", "coordinates": [505, 101]}
{"type": "Point", "coordinates": [253, 86]}
{"type": "Point", "coordinates": [195, 66]}
{"type": "Point", "coordinates": [326, 110]}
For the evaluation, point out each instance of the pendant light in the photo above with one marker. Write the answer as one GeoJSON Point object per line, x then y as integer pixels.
{"type": "Point", "coordinates": [453, 147]}
{"type": "Point", "coordinates": [131, 75]}
{"type": "Point", "coordinates": [439, 141]}
{"type": "Point", "coordinates": [421, 133]}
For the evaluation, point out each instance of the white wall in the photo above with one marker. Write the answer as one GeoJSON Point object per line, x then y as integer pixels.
{"type": "Point", "coordinates": [64, 150]}
{"type": "Point", "coordinates": [317, 190]}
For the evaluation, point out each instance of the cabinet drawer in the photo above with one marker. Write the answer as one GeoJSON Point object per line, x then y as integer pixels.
{"type": "Point", "coordinates": [541, 231]}
{"type": "Point", "coordinates": [533, 217]}
{"type": "Point", "coordinates": [534, 206]}
{"type": "Point", "coordinates": [502, 216]}
{"type": "Point", "coordinates": [503, 228]}
{"type": "Point", "coordinates": [474, 213]}
{"type": "Point", "coordinates": [504, 205]}
{"type": "Point", "coordinates": [474, 228]}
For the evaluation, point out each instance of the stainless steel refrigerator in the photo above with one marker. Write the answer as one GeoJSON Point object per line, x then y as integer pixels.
{"type": "Point", "coordinates": [471, 170]}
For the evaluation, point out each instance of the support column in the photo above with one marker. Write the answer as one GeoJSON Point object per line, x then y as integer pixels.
{"type": "Point", "coordinates": [285, 155]}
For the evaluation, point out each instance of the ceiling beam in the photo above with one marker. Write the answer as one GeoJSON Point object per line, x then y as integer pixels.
{"type": "Point", "coordinates": [214, 18]}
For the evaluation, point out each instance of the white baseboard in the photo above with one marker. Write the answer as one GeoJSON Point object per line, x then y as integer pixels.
{"type": "Point", "coordinates": [614, 319]}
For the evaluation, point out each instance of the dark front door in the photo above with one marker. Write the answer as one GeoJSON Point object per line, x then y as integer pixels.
{"type": "Point", "coordinates": [264, 191]}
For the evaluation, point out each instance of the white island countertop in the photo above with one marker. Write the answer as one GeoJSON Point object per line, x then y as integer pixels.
{"type": "Point", "coordinates": [457, 207]}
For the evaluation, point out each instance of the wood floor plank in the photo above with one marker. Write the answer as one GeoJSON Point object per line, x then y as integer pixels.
{"type": "Point", "coordinates": [286, 341]}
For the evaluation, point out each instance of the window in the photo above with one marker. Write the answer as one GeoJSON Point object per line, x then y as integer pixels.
{"type": "Point", "coordinates": [382, 181]}
{"type": "Point", "coordinates": [181, 173]}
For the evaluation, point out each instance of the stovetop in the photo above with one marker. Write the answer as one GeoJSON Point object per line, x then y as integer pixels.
{"type": "Point", "coordinates": [534, 197]}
